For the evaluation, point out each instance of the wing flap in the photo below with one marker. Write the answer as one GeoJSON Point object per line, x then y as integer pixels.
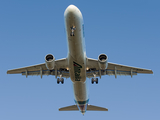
{"type": "Point", "coordinates": [110, 72]}
{"type": "Point", "coordinates": [46, 72]}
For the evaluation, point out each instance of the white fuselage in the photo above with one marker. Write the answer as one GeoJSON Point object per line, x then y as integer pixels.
{"type": "Point", "coordinates": [76, 54]}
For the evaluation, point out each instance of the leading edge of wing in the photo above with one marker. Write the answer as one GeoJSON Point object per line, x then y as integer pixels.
{"type": "Point", "coordinates": [111, 66]}
{"type": "Point", "coordinates": [27, 68]}
{"type": "Point", "coordinates": [60, 63]}
{"type": "Point", "coordinates": [93, 63]}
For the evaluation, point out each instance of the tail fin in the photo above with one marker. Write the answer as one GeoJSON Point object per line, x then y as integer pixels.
{"type": "Point", "coordinates": [69, 108]}
{"type": "Point", "coordinates": [96, 108]}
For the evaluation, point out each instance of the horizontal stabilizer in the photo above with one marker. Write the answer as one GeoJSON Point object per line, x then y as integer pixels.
{"type": "Point", "coordinates": [69, 108]}
{"type": "Point", "coordinates": [96, 108]}
{"type": "Point", "coordinates": [89, 108]}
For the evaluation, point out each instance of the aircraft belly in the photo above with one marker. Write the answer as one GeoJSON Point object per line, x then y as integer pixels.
{"type": "Point", "coordinates": [80, 91]}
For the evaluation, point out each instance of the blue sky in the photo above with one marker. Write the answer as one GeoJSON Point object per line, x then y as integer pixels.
{"type": "Point", "coordinates": [127, 31]}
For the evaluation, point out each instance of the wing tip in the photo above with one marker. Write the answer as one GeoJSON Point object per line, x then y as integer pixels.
{"type": "Point", "coordinates": [149, 72]}
{"type": "Point", "coordinates": [8, 72]}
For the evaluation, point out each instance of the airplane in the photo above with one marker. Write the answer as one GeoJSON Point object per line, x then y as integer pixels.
{"type": "Point", "coordinates": [77, 66]}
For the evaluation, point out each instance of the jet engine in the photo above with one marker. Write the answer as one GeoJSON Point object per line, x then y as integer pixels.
{"type": "Point", "coordinates": [50, 61]}
{"type": "Point", "coordinates": [102, 59]}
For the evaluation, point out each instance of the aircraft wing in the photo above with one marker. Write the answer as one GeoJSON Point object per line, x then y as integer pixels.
{"type": "Point", "coordinates": [41, 69]}
{"type": "Point", "coordinates": [113, 69]}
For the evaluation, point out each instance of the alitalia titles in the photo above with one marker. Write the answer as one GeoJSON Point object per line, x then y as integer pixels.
{"type": "Point", "coordinates": [77, 71]}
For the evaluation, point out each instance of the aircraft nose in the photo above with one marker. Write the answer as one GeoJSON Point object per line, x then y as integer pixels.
{"type": "Point", "coordinates": [72, 10]}
{"type": "Point", "coordinates": [71, 7]}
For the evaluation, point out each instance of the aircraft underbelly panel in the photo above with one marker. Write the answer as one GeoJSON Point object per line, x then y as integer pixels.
{"type": "Point", "coordinates": [80, 91]}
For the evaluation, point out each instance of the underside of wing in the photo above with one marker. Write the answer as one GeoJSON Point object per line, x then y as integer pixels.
{"type": "Point", "coordinates": [96, 108]}
{"type": "Point", "coordinates": [41, 69]}
{"type": "Point", "coordinates": [28, 68]}
{"type": "Point", "coordinates": [118, 67]}
{"type": "Point", "coordinates": [113, 69]}
{"type": "Point", "coordinates": [69, 108]}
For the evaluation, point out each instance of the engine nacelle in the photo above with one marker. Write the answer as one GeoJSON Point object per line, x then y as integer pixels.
{"type": "Point", "coordinates": [50, 61]}
{"type": "Point", "coordinates": [102, 59]}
